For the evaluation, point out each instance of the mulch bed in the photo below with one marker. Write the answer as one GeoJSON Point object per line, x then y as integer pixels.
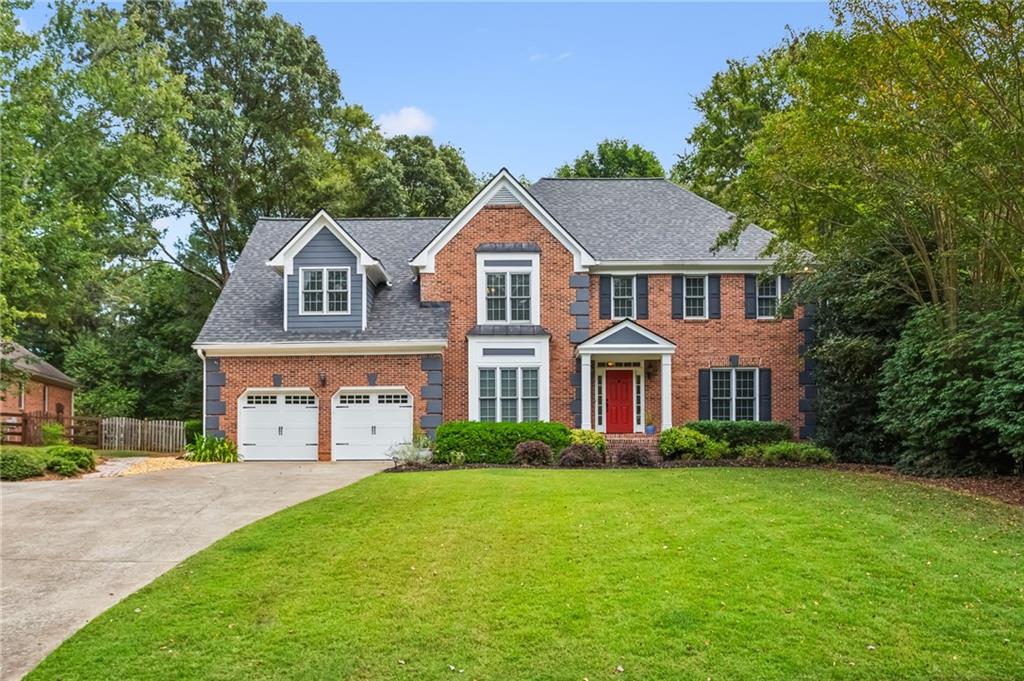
{"type": "Point", "coordinates": [1006, 488]}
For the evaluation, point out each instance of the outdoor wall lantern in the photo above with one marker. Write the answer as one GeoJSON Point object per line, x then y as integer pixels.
{"type": "Point", "coordinates": [323, 378]}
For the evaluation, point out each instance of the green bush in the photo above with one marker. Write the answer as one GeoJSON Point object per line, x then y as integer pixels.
{"type": "Point", "coordinates": [62, 466]}
{"type": "Point", "coordinates": [84, 458]}
{"type": "Point", "coordinates": [533, 453]}
{"type": "Point", "coordinates": [686, 443]}
{"type": "Point", "coordinates": [52, 433]}
{"type": "Point", "coordinates": [193, 429]}
{"type": "Point", "coordinates": [797, 452]}
{"type": "Point", "coordinates": [635, 456]}
{"type": "Point", "coordinates": [739, 433]}
{"type": "Point", "coordinates": [209, 448]}
{"type": "Point", "coordinates": [494, 442]}
{"type": "Point", "coordinates": [589, 437]}
{"type": "Point", "coordinates": [19, 465]}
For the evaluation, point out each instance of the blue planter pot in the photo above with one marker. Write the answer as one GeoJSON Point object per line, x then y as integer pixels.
{"type": "Point", "coordinates": [650, 430]}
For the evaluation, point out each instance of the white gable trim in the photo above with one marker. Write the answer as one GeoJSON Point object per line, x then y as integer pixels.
{"type": "Point", "coordinates": [503, 181]}
{"type": "Point", "coordinates": [283, 259]}
{"type": "Point", "coordinates": [658, 345]}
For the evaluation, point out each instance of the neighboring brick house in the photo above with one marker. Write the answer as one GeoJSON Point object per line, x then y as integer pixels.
{"type": "Point", "coordinates": [598, 303]}
{"type": "Point", "coordinates": [43, 388]}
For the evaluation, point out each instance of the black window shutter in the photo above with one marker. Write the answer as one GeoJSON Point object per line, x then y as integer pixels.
{"type": "Point", "coordinates": [704, 394]}
{"type": "Point", "coordinates": [677, 296]}
{"type": "Point", "coordinates": [764, 397]}
{"type": "Point", "coordinates": [750, 296]}
{"type": "Point", "coordinates": [784, 290]}
{"type": "Point", "coordinates": [641, 296]}
{"type": "Point", "coordinates": [714, 296]}
{"type": "Point", "coordinates": [606, 296]}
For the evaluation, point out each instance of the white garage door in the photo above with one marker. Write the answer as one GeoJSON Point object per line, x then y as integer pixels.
{"type": "Point", "coordinates": [366, 425]}
{"type": "Point", "coordinates": [277, 427]}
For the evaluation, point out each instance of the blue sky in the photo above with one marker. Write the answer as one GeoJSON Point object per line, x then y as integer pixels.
{"type": "Point", "coordinates": [530, 86]}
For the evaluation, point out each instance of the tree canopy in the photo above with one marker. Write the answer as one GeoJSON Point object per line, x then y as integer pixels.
{"type": "Point", "coordinates": [613, 158]}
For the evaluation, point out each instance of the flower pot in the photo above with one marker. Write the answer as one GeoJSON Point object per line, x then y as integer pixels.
{"type": "Point", "coordinates": [650, 430]}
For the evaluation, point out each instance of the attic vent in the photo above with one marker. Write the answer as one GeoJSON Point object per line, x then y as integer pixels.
{"type": "Point", "coordinates": [503, 197]}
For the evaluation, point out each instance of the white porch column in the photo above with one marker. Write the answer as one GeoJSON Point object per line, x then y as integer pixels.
{"type": "Point", "coordinates": [666, 391]}
{"type": "Point", "coordinates": [586, 421]}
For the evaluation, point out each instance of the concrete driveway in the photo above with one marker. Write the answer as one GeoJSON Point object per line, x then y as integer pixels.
{"type": "Point", "coordinates": [72, 548]}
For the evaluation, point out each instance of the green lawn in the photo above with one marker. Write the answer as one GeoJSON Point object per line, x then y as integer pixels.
{"type": "Point", "coordinates": [525, 574]}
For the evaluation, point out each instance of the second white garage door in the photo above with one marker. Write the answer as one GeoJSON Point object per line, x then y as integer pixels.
{"type": "Point", "coordinates": [366, 425]}
{"type": "Point", "coordinates": [277, 426]}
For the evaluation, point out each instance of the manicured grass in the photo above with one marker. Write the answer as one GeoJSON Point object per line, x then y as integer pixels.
{"type": "Point", "coordinates": [526, 574]}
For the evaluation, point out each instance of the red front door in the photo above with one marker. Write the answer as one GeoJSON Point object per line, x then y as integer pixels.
{"type": "Point", "coordinates": [619, 388]}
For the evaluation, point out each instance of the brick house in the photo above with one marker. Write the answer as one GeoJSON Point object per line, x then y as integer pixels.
{"type": "Point", "coordinates": [597, 303]}
{"type": "Point", "coordinates": [45, 389]}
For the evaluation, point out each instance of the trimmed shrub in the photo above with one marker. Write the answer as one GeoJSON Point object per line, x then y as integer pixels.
{"type": "Point", "coordinates": [84, 458]}
{"type": "Point", "coordinates": [62, 466]}
{"type": "Point", "coordinates": [209, 448]}
{"type": "Point", "coordinates": [19, 465]}
{"type": "Point", "coordinates": [635, 456]}
{"type": "Point", "coordinates": [52, 433]}
{"type": "Point", "coordinates": [533, 453]}
{"type": "Point", "coordinates": [593, 438]}
{"type": "Point", "coordinates": [686, 443]}
{"type": "Point", "coordinates": [193, 429]}
{"type": "Point", "coordinates": [494, 442]}
{"type": "Point", "coordinates": [579, 455]}
{"type": "Point", "coordinates": [799, 452]}
{"type": "Point", "coordinates": [739, 433]}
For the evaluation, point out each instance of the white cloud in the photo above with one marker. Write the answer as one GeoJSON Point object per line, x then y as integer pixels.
{"type": "Point", "coordinates": [538, 57]}
{"type": "Point", "coordinates": [409, 120]}
{"type": "Point", "coordinates": [563, 56]}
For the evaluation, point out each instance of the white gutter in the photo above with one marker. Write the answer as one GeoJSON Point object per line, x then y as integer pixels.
{"type": "Point", "coordinates": [403, 347]}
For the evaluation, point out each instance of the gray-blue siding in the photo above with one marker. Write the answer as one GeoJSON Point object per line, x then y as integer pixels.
{"type": "Point", "coordinates": [324, 250]}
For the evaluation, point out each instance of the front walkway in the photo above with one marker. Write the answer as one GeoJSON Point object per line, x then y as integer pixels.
{"type": "Point", "coordinates": [73, 548]}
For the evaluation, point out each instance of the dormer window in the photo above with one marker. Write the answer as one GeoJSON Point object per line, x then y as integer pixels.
{"type": "Point", "coordinates": [325, 290]}
{"type": "Point", "coordinates": [508, 288]}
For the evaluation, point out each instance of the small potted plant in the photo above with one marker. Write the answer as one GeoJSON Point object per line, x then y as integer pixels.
{"type": "Point", "coordinates": [650, 425]}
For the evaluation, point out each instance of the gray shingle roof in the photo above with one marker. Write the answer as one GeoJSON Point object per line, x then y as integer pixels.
{"type": "Point", "coordinates": [30, 363]}
{"type": "Point", "coordinates": [643, 219]}
{"type": "Point", "coordinates": [250, 307]}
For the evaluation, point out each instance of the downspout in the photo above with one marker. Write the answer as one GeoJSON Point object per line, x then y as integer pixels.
{"type": "Point", "coordinates": [202, 358]}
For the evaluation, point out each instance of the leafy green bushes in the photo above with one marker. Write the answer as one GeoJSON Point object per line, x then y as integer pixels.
{"type": "Point", "coordinates": [208, 448]}
{"type": "Point", "coordinates": [955, 398]}
{"type": "Point", "coordinates": [52, 433]}
{"type": "Point", "coordinates": [686, 443]}
{"type": "Point", "coordinates": [579, 455]}
{"type": "Point", "coordinates": [797, 452]}
{"type": "Point", "coordinates": [15, 465]}
{"type": "Point", "coordinates": [739, 433]}
{"type": "Point", "coordinates": [62, 466]}
{"type": "Point", "coordinates": [84, 459]}
{"type": "Point", "coordinates": [494, 442]}
{"type": "Point", "coordinates": [589, 437]}
{"type": "Point", "coordinates": [533, 453]}
{"type": "Point", "coordinates": [193, 429]}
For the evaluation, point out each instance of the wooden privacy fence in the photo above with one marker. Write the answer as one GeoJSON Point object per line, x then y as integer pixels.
{"type": "Point", "coordinates": [121, 432]}
{"type": "Point", "coordinates": [116, 432]}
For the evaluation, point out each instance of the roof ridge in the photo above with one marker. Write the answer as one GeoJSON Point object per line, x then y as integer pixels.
{"type": "Point", "coordinates": [610, 179]}
{"type": "Point", "coordinates": [401, 217]}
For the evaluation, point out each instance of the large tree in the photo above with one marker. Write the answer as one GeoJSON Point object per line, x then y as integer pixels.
{"type": "Point", "coordinates": [613, 158]}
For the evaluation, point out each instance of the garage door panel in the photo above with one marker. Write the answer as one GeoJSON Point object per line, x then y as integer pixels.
{"type": "Point", "coordinates": [368, 425]}
{"type": "Point", "coordinates": [278, 427]}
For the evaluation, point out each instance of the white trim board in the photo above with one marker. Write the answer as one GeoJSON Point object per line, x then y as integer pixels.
{"type": "Point", "coordinates": [424, 261]}
{"type": "Point", "coordinates": [540, 359]}
{"type": "Point", "coordinates": [283, 259]}
{"type": "Point", "coordinates": [403, 347]}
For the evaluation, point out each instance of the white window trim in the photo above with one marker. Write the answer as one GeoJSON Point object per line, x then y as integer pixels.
{"type": "Point", "coordinates": [539, 360]}
{"type": "Point", "coordinates": [706, 301]}
{"type": "Point", "coordinates": [481, 286]}
{"type": "Point", "coordinates": [732, 391]}
{"type": "Point", "coordinates": [612, 292]}
{"type": "Point", "coordinates": [324, 293]}
{"type": "Point", "coordinates": [778, 298]}
{"type": "Point", "coordinates": [499, 397]}
{"type": "Point", "coordinates": [599, 374]}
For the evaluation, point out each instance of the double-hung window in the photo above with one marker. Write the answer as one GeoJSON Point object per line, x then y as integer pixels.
{"type": "Point", "coordinates": [325, 290]}
{"type": "Point", "coordinates": [509, 394]}
{"type": "Point", "coordinates": [508, 297]}
{"type": "Point", "coordinates": [623, 298]}
{"type": "Point", "coordinates": [767, 297]}
{"type": "Point", "coordinates": [695, 297]}
{"type": "Point", "coordinates": [734, 394]}
{"type": "Point", "coordinates": [508, 288]}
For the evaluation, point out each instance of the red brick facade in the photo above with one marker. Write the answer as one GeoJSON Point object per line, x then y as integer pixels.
{"type": "Point", "coordinates": [42, 398]}
{"type": "Point", "coordinates": [242, 373]}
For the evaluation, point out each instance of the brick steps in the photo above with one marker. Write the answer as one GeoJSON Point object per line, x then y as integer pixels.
{"type": "Point", "coordinates": [618, 442]}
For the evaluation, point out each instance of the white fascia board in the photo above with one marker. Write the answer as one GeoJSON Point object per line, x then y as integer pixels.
{"type": "Point", "coordinates": [282, 261]}
{"type": "Point", "coordinates": [306, 390]}
{"type": "Point", "coordinates": [424, 260]}
{"type": "Point", "coordinates": [403, 347]}
{"type": "Point", "coordinates": [710, 266]}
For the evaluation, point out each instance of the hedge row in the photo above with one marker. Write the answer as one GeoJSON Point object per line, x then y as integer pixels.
{"type": "Point", "coordinates": [740, 433]}
{"type": "Point", "coordinates": [476, 442]}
